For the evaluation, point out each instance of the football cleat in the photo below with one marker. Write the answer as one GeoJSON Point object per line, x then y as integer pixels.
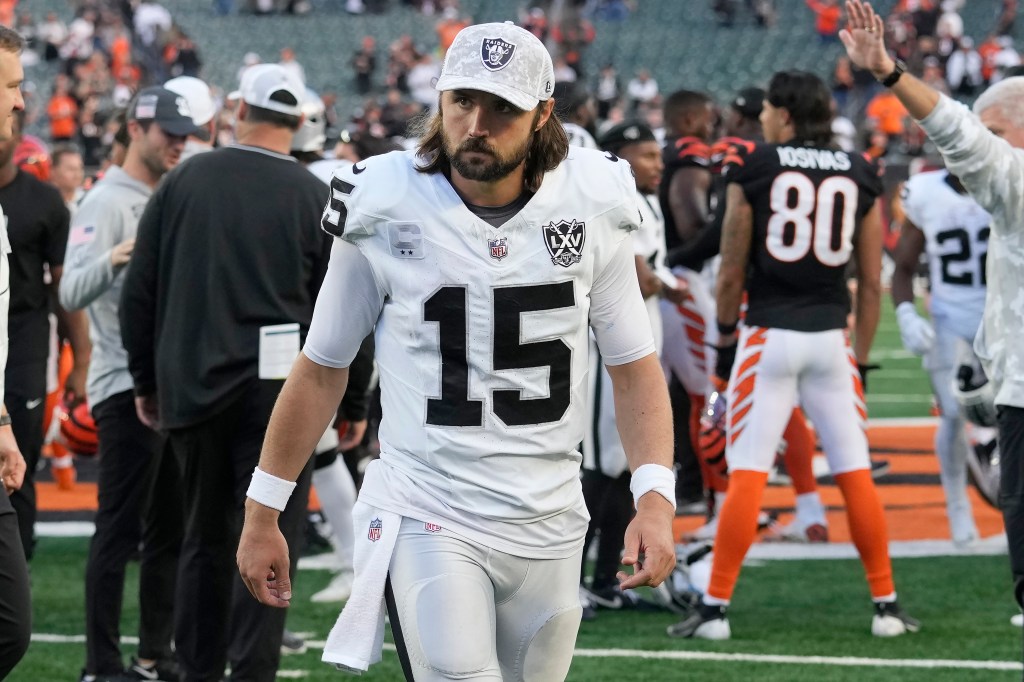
{"type": "Point", "coordinates": [338, 590]}
{"type": "Point", "coordinates": [890, 621]}
{"type": "Point", "coordinates": [706, 622]}
{"type": "Point", "coordinates": [1017, 620]}
{"type": "Point", "coordinates": [798, 531]}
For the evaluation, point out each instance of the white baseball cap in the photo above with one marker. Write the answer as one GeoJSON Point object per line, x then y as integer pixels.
{"type": "Point", "coordinates": [197, 94]}
{"type": "Point", "coordinates": [502, 59]}
{"type": "Point", "coordinates": [262, 81]}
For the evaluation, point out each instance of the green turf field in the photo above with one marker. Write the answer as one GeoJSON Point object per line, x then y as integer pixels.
{"type": "Point", "coordinates": [795, 608]}
{"type": "Point", "coordinates": [799, 609]}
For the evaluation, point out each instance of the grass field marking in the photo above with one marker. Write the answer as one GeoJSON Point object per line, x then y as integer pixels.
{"type": "Point", "coordinates": [845, 661]}
{"type": "Point", "coordinates": [899, 398]}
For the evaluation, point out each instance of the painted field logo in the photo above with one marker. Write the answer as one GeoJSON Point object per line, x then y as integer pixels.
{"type": "Point", "coordinates": [376, 526]}
{"type": "Point", "coordinates": [564, 240]}
{"type": "Point", "coordinates": [498, 247]}
{"type": "Point", "coordinates": [496, 53]}
{"type": "Point", "coordinates": [431, 527]}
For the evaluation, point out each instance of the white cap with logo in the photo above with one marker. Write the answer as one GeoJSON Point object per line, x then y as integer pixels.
{"type": "Point", "coordinates": [197, 94]}
{"type": "Point", "coordinates": [502, 59]}
{"type": "Point", "coordinates": [260, 83]}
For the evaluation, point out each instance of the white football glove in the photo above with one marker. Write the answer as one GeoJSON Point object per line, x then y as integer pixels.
{"type": "Point", "coordinates": [915, 331]}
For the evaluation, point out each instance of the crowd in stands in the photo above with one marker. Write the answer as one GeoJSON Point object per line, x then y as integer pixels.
{"type": "Point", "coordinates": [111, 48]}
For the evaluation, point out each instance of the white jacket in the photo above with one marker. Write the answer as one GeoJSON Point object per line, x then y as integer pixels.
{"type": "Point", "coordinates": [993, 172]}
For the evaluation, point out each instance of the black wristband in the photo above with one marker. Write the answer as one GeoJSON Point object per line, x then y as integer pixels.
{"type": "Point", "coordinates": [725, 361]}
{"type": "Point", "coordinates": [726, 329]}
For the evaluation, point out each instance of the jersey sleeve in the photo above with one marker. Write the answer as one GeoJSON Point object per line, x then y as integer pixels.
{"type": "Point", "coordinates": [870, 176]}
{"type": "Point", "coordinates": [687, 152]}
{"type": "Point", "coordinates": [757, 171]}
{"type": "Point", "coordinates": [618, 315]}
{"type": "Point", "coordinates": [347, 308]}
{"type": "Point", "coordinates": [88, 271]}
{"type": "Point", "coordinates": [912, 198]}
{"type": "Point", "coordinates": [340, 217]}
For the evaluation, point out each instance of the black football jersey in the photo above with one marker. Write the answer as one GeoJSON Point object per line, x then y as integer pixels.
{"type": "Point", "coordinates": [807, 206]}
{"type": "Point", "coordinates": [684, 152]}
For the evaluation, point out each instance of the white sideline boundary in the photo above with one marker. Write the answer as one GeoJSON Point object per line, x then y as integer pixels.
{"type": "Point", "coordinates": [779, 659]}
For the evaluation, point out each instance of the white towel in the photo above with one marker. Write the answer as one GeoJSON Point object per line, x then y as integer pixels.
{"type": "Point", "coordinates": [357, 638]}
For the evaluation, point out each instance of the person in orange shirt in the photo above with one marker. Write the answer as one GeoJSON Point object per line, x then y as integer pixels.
{"type": "Point", "coordinates": [447, 28]}
{"type": "Point", "coordinates": [828, 15]}
{"type": "Point", "coordinates": [886, 114]}
{"type": "Point", "coordinates": [62, 111]}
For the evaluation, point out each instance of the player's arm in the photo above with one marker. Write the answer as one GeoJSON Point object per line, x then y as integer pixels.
{"type": "Point", "coordinates": [622, 327]}
{"type": "Point", "coordinates": [737, 233]}
{"type": "Point", "coordinates": [915, 332]}
{"type": "Point", "coordinates": [650, 285]}
{"type": "Point", "coordinates": [868, 260]}
{"type": "Point", "coordinates": [687, 199]}
{"type": "Point", "coordinates": [74, 323]}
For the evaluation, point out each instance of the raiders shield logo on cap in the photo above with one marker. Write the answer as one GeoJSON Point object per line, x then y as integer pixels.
{"type": "Point", "coordinates": [564, 240]}
{"type": "Point", "coordinates": [496, 53]}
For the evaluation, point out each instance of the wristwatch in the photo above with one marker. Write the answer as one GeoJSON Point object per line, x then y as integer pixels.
{"type": "Point", "coordinates": [5, 420]}
{"type": "Point", "coordinates": [897, 70]}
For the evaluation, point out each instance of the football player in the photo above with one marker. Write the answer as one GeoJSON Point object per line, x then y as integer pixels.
{"type": "Point", "coordinates": [481, 261]}
{"type": "Point", "coordinates": [946, 224]}
{"type": "Point", "coordinates": [797, 212]}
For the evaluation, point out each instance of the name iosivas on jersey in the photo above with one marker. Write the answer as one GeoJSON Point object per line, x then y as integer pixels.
{"type": "Point", "coordinates": [806, 203]}
{"type": "Point", "coordinates": [482, 339]}
{"type": "Point", "coordinates": [956, 232]}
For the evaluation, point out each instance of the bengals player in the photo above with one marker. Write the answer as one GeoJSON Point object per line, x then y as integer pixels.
{"type": "Point", "coordinates": [797, 213]}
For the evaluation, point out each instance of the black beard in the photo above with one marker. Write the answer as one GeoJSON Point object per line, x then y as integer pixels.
{"type": "Point", "coordinates": [485, 171]}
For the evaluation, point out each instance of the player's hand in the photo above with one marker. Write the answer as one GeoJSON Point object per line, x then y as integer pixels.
{"type": "Point", "coordinates": [262, 556]}
{"type": "Point", "coordinates": [12, 464]}
{"type": "Point", "coordinates": [350, 434]}
{"type": "Point", "coordinates": [677, 294]}
{"type": "Point", "coordinates": [74, 385]}
{"type": "Point", "coordinates": [148, 410]}
{"type": "Point", "coordinates": [917, 334]}
{"type": "Point", "coordinates": [650, 549]}
{"type": "Point", "coordinates": [864, 39]}
{"type": "Point", "coordinates": [122, 253]}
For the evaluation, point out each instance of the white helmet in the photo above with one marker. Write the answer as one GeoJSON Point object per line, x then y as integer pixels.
{"type": "Point", "coordinates": [312, 135]}
{"type": "Point", "coordinates": [974, 391]}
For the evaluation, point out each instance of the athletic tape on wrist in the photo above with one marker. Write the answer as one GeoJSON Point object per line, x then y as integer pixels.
{"type": "Point", "coordinates": [269, 490]}
{"type": "Point", "coordinates": [653, 477]}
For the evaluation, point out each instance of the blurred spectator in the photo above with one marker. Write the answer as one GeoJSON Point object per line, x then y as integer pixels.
{"type": "Point", "coordinates": [844, 133]}
{"type": "Point", "coordinates": [421, 81]}
{"type": "Point", "coordinates": [78, 44]}
{"type": "Point", "coordinates": [67, 173]}
{"type": "Point", "coordinates": [886, 114]}
{"type": "Point", "coordinates": [950, 22]}
{"type": "Point", "coordinates": [152, 23]}
{"type": "Point", "coordinates": [291, 65]}
{"type": "Point", "coordinates": [26, 26]}
{"type": "Point", "coordinates": [181, 56]}
{"type": "Point", "coordinates": [402, 56]}
{"type": "Point", "coordinates": [612, 10]}
{"type": "Point", "coordinates": [52, 32]}
{"type": "Point", "coordinates": [607, 91]}
{"type": "Point", "coordinates": [642, 89]}
{"type": "Point", "coordinates": [828, 16]}
{"type": "Point", "coordinates": [575, 108]}
{"type": "Point", "coordinates": [62, 110]}
{"type": "Point", "coordinates": [1007, 15]}
{"type": "Point", "coordinates": [988, 51]}
{"type": "Point", "coordinates": [250, 59]}
{"type": "Point", "coordinates": [536, 22]}
{"type": "Point", "coordinates": [447, 28]}
{"type": "Point", "coordinates": [725, 12]}
{"type": "Point", "coordinates": [364, 63]}
{"type": "Point", "coordinates": [563, 72]}
{"type": "Point", "coordinates": [1006, 59]}
{"type": "Point", "coordinates": [90, 131]}
{"type": "Point", "coordinates": [573, 34]}
{"type": "Point", "coordinates": [842, 82]}
{"type": "Point", "coordinates": [933, 75]}
{"type": "Point", "coordinates": [963, 69]}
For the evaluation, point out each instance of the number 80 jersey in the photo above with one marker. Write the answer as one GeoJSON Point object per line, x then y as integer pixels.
{"type": "Point", "coordinates": [807, 205]}
{"type": "Point", "coordinates": [482, 338]}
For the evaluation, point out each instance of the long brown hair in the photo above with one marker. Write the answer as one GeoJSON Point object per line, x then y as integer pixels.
{"type": "Point", "coordinates": [549, 147]}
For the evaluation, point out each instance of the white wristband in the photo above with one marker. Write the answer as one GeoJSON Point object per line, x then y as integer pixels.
{"type": "Point", "coordinates": [269, 490]}
{"type": "Point", "coordinates": [656, 477]}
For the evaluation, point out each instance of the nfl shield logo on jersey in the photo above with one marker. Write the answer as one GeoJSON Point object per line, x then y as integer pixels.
{"type": "Point", "coordinates": [375, 530]}
{"type": "Point", "coordinates": [564, 240]}
{"type": "Point", "coordinates": [496, 53]}
{"type": "Point", "coordinates": [431, 527]}
{"type": "Point", "coordinates": [499, 247]}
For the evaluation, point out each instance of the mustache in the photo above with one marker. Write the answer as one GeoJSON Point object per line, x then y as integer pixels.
{"type": "Point", "coordinates": [475, 144]}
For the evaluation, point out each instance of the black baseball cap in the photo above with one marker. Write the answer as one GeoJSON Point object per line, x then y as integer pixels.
{"type": "Point", "coordinates": [749, 102]}
{"type": "Point", "coordinates": [168, 109]}
{"type": "Point", "coordinates": [626, 133]}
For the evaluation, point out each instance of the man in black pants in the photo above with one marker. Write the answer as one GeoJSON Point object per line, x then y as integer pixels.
{"type": "Point", "coordinates": [217, 299]}
{"type": "Point", "coordinates": [15, 603]}
{"type": "Point", "coordinates": [132, 458]}
{"type": "Point", "coordinates": [37, 226]}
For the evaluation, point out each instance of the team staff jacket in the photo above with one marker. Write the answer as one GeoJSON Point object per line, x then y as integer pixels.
{"type": "Point", "coordinates": [482, 339]}
{"type": "Point", "coordinates": [230, 242]}
{"type": "Point", "coordinates": [108, 215]}
{"type": "Point", "coordinates": [807, 204]}
{"type": "Point", "coordinates": [993, 172]}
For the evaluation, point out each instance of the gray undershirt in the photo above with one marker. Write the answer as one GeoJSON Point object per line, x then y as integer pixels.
{"type": "Point", "coordinates": [496, 216]}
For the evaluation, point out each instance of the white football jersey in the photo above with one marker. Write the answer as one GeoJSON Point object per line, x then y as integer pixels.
{"type": "Point", "coordinates": [481, 339]}
{"type": "Point", "coordinates": [578, 136]}
{"type": "Point", "coordinates": [956, 231]}
{"type": "Point", "coordinates": [649, 244]}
